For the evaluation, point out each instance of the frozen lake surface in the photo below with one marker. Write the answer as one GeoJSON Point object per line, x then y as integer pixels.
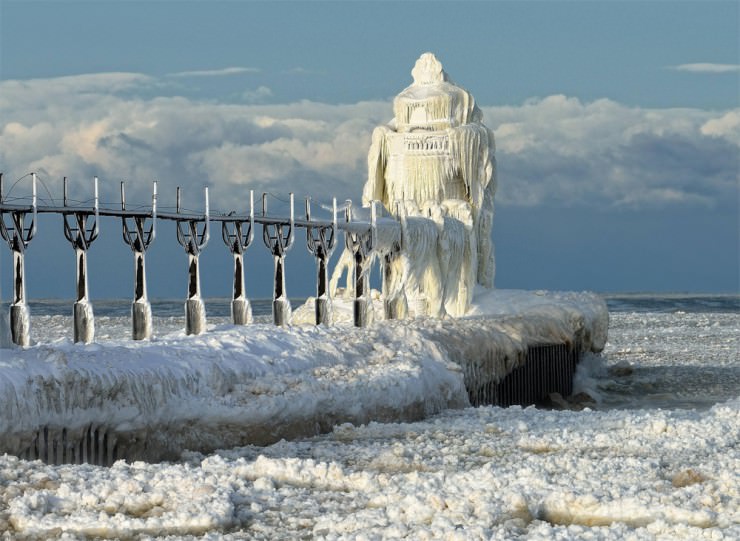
{"type": "Point", "coordinates": [656, 458]}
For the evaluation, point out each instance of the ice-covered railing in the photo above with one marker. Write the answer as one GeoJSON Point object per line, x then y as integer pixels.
{"type": "Point", "coordinates": [365, 238]}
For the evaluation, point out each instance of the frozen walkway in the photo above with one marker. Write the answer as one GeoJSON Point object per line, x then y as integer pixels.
{"type": "Point", "coordinates": [258, 384]}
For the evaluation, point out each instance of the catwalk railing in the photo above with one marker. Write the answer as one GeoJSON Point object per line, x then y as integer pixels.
{"type": "Point", "coordinates": [18, 226]}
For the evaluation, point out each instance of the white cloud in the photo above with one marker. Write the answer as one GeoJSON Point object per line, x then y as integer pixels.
{"type": "Point", "coordinates": [306, 147]}
{"type": "Point", "coordinates": [552, 151]}
{"type": "Point", "coordinates": [303, 71]}
{"type": "Point", "coordinates": [559, 150]}
{"type": "Point", "coordinates": [257, 95]}
{"type": "Point", "coordinates": [39, 94]}
{"type": "Point", "coordinates": [707, 67]}
{"type": "Point", "coordinates": [727, 125]}
{"type": "Point", "coordinates": [215, 72]}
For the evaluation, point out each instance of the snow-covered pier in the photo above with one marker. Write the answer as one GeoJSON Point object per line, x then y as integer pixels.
{"type": "Point", "coordinates": [235, 385]}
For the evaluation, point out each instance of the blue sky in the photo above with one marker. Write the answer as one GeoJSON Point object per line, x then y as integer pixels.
{"type": "Point", "coordinates": [617, 126]}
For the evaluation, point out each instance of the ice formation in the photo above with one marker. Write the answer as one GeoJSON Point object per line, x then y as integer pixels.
{"type": "Point", "coordinates": [5, 341]}
{"type": "Point", "coordinates": [433, 167]}
{"type": "Point", "coordinates": [260, 383]}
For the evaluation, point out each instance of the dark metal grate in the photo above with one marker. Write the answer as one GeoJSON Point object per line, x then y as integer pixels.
{"type": "Point", "coordinates": [547, 369]}
{"type": "Point", "coordinates": [91, 445]}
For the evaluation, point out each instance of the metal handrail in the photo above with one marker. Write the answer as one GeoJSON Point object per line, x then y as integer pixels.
{"type": "Point", "coordinates": [81, 228]}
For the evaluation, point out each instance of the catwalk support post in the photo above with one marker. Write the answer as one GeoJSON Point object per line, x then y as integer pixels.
{"type": "Point", "coordinates": [18, 234]}
{"type": "Point", "coordinates": [394, 302]}
{"type": "Point", "coordinates": [81, 235]}
{"type": "Point", "coordinates": [238, 239]}
{"type": "Point", "coordinates": [278, 237]}
{"type": "Point", "coordinates": [138, 237]}
{"type": "Point", "coordinates": [361, 243]}
{"type": "Point", "coordinates": [320, 239]}
{"type": "Point", "coordinates": [394, 299]}
{"type": "Point", "coordinates": [192, 234]}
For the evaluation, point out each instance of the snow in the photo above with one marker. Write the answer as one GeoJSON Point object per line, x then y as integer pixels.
{"type": "Point", "coordinates": [260, 383]}
{"type": "Point", "coordinates": [482, 473]}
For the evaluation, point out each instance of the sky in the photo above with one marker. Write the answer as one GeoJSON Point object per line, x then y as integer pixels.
{"type": "Point", "coordinates": [617, 128]}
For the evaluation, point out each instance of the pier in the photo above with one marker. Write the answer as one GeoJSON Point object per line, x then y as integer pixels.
{"type": "Point", "coordinates": [518, 358]}
{"type": "Point", "coordinates": [436, 337]}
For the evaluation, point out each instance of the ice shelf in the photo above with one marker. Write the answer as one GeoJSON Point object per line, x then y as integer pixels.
{"type": "Point", "coordinates": [260, 383]}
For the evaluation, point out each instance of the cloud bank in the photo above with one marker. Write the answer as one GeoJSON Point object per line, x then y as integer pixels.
{"type": "Point", "coordinates": [602, 153]}
{"type": "Point", "coordinates": [555, 150]}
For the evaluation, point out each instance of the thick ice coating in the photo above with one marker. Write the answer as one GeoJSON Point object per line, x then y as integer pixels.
{"type": "Point", "coordinates": [260, 383]}
{"type": "Point", "coordinates": [435, 160]}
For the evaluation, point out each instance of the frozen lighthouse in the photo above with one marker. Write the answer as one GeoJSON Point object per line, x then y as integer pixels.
{"type": "Point", "coordinates": [435, 160]}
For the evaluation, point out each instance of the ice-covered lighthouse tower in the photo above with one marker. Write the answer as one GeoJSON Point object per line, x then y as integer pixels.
{"type": "Point", "coordinates": [435, 159]}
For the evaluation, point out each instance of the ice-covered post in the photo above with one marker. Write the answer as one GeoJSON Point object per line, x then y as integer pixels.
{"type": "Point", "coordinates": [278, 237]}
{"type": "Point", "coordinates": [81, 235]}
{"type": "Point", "coordinates": [139, 237]}
{"type": "Point", "coordinates": [193, 240]}
{"type": "Point", "coordinates": [389, 307]}
{"type": "Point", "coordinates": [394, 301]}
{"type": "Point", "coordinates": [238, 241]}
{"type": "Point", "coordinates": [360, 244]}
{"type": "Point", "coordinates": [18, 235]}
{"type": "Point", "coordinates": [320, 239]}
